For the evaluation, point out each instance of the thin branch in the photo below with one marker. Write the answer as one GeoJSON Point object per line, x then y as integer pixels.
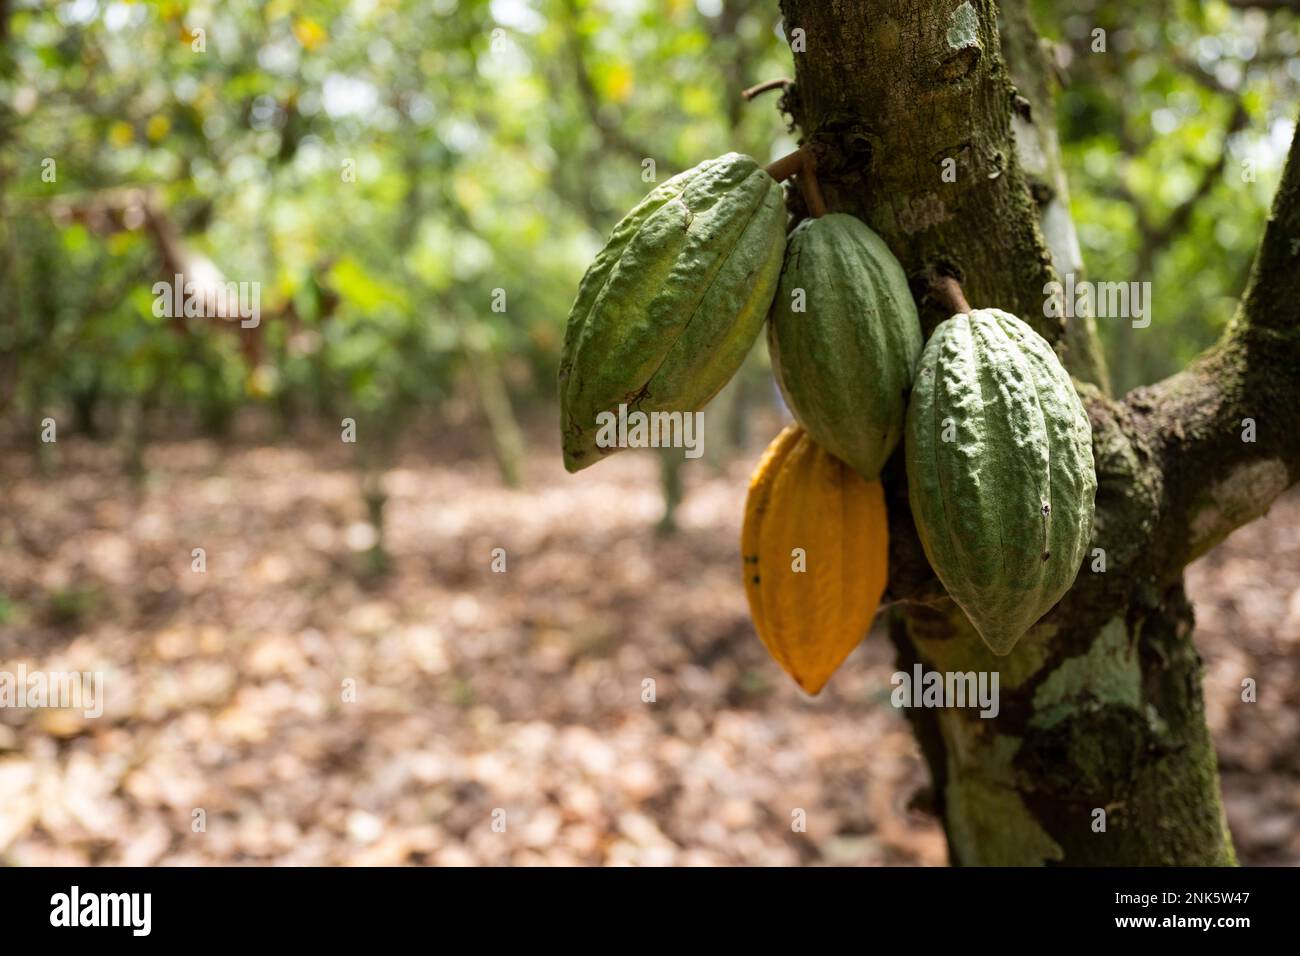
{"type": "Point", "coordinates": [1118, 190]}
{"type": "Point", "coordinates": [1292, 5]}
{"type": "Point", "coordinates": [1201, 75]}
{"type": "Point", "coordinates": [778, 84]}
{"type": "Point", "coordinates": [723, 30]}
{"type": "Point", "coordinates": [1155, 240]}
{"type": "Point", "coordinates": [612, 136]}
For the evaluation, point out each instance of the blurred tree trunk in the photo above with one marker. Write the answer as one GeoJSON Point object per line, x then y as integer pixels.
{"type": "Point", "coordinates": [1101, 710]}
{"type": "Point", "coordinates": [135, 434]}
{"type": "Point", "coordinates": [508, 445]}
{"type": "Point", "coordinates": [85, 398]}
{"type": "Point", "coordinates": [670, 482]}
{"type": "Point", "coordinates": [1038, 152]}
{"type": "Point", "coordinates": [489, 384]}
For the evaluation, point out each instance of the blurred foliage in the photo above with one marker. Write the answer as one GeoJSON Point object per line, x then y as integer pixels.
{"type": "Point", "coordinates": [1174, 136]}
{"type": "Point", "coordinates": [417, 183]}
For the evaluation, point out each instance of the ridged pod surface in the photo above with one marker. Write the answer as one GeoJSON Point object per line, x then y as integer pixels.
{"type": "Point", "coordinates": [800, 496]}
{"type": "Point", "coordinates": [670, 307]}
{"type": "Point", "coordinates": [1004, 506]}
{"type": "Point", "coordinates": [845, 363]}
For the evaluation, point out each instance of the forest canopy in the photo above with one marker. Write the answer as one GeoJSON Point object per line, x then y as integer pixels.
{"type": "Point", "coordinates": [415, 187]}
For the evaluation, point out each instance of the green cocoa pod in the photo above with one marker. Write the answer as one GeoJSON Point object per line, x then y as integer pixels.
{"type": "Point", "coordinates": [845, 362]}
{"type": "Point", "coordinates": [999, 471]}
{"type": "Point", "coordinates": [673, 303]}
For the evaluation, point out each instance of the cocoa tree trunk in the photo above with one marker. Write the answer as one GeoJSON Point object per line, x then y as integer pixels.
{"type": "Point", "coordinates": [1101, 714]}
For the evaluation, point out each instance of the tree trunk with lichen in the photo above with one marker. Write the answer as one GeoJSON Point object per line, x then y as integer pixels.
{"type": "Point", "coordinates": [1101, 705]}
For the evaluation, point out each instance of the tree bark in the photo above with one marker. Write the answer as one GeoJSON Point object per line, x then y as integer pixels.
{"type": "Point", "coordinates": [1101, 717]}
{"type": "Point", "coordinates": [1038, 149]}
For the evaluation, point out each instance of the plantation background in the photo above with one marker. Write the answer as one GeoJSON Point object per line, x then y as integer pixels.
{"type": "Point", "coordinates": [388, 171]}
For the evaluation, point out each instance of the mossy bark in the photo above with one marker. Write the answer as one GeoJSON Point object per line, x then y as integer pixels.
{"type": "Point", "coordinates": [1101, 715]}
{"type": "Point", "coordinates": [1099, 753]}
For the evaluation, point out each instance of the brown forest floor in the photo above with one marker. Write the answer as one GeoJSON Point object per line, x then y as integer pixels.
{"type": "Point", "coordinates": [478, 690]}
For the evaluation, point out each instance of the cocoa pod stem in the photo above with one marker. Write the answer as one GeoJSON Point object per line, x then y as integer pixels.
{"type": "Point", "coordinates": [949, 293]}
{"type": "Point", "coordinates": [803, 164]}
{"type": "Point", "coordinates": [811, 188]}
{"type": "Point", "coordinates": [789, 164]}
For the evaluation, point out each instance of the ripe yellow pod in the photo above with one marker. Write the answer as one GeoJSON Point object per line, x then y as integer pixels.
{"type": "Point", "coordinates": [815, 552]}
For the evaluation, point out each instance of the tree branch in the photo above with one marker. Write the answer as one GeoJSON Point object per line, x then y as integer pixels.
{"type": "Point", "coordinates": [1118, 190]}
{"type": "Point", "coordinates": [765, 87]}
{"type": "Point", "coordinates": [724, 32]}
{"type": "Point", "coordinates": [1156, 238]}
{"type": "Point", "coordinates": [1293, 5]}
{"type": "Point", "coordinates": [613, 137]}
{"type": "Point", "coordinates": [1225, 432]}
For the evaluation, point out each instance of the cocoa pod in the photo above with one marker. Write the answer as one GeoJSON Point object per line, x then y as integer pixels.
{"type": "Point", "coordinates": [999, 471]}
{"type": "Point", "coordinates": [810, 618]}
{"type": "Point", "coordinates": [845, 361]}
{"type": "Point", "coordinates": [670, 307]}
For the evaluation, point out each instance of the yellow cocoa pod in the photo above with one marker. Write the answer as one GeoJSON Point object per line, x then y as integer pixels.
{"type": "Point", "coordinates": [812, 606]}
